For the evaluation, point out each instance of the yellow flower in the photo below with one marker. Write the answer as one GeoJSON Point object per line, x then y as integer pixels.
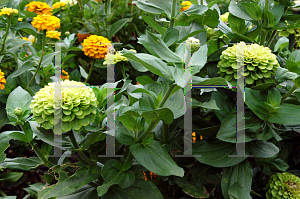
{"type": "Point", "coordinates": [53, 34]}
{"type": "Point", "coordinates": [100, 0]}
{"type": "Point", "coordinates": [25, 38]}
{"type": "Point", "coordinates": [65, 75]}
{"type": "Point", "coordinates": [71, 2]}
{"type": "Point", "coordinates": [118, 57]}
{"type": "Point", "coordinates": [81, 37]}
{"type": "Point", "coordinates": [39, 8]}
{"type": "Point", "coordinates": [20, 19]}
{"type": "Point", "coordinates": [2, 80]}
{"type": "Point", "coordinates": [224, 17]}
{"type": "Point", "coordinates": [8, 11]}
{"type": "Point", "coordinates": [59, 4]}
{"type": "Point", "coordinates": [96, 46]}
{"type": "Point", "coordinates": [31, 38]}
{"type": "Point", "coordinates": [186, 5]}
{"type": "Point", "coordinates": [46, 22]}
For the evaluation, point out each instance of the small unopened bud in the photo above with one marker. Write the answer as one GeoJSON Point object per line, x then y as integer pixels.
{"type": "Point", "coordinates": [18, 112]}
{"type": "Point", "coordinates": [195, 43]}
{"type": "Point", "coordinates": [67, 33]}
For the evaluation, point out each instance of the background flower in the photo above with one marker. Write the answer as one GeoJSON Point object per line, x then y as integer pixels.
{"type": "Point", "coordinates": [39, 8]}
{"type": "Point", "coordinates": [71, 2]}
{"type": "Point", "coordinates": [8, 11]}
{"type": "Point", "coordinates": [58, 5]}
{"type": "Point", "coordinates": [186, 5]}
{"type": "Point", "coordinates": [2, 80]}
{"type": "Point", "coordinates": [54, 34]}
{"type": "Point", "coordinates": [46, 22]}
{"type": "Point", "coordinates": [96, 46]}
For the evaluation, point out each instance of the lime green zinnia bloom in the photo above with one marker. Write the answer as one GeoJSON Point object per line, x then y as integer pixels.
{"type": "Point", "coordinates": [283, 185]}
{"type": "Point", "coordinates": [78, 105]}
{"type": "Point", "coordinates": [260, 64]}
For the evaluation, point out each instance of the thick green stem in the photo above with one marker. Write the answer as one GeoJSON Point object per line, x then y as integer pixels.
{"type": "Point", "coordinates": [166, 133]}
{"type": "Point", "coordinates": [172, 20]}
{"type": "Point", "coordinates": [39, 65]}
{"type": "Point", "coordinates": [41, 155]}
{"type": "Point", "coordinates": [154, 122]}
{"type": "Point", "coordinates": [108, 12]}
{"type": "Point", "coordinates": [271, 38]}
{"type": "Point", "coordinates": [267, 5]}
{"type": "Point", "coordinates": [289, 93]}
{"type": "Point", "coordinates": [6, 33]}
{"type": "Point", "coordinates": [263, 37]}
{"type": "Point", "coordinates": [123, 72]}
{"type": "Point", "coordinates": [90, 72]}
{"type": "Point", "coordinates": [81, 154]}
{"type": "Point", "coordinates": [291, 42]}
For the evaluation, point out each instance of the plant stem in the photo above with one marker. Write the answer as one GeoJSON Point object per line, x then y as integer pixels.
{"type": "Point", "coordinates": [289, 93]}
{"type": "Point", "coordinates": [271, 38]}
{"type": "Point", "coordinates": [154, 122]}
{"type": "Point", "coordinates": [123, 72]}
{"type": "Point", "coordinates": [291, 42]}
{"type": "Point", "coordinates": [130, 157]}
{"type": "Point", "coordinates": [81, 154]}
{"type": "Point", "coordinates": [261, 175]}
{"type": "Point", "coordinates": [41, 155]}
{"type": "Point", "coordinates": [6, 33]}
{"type": "Point", "coordinates": [263, 37]}
{"type": "Point", "coordinates": [172, 20]}
{"type": "Point", "coordinates": [267, 5]}
{"type": "Point", "coordinates": [2, 193]}
{"type": "Point", "coordinates": [39, 66]}
{"type": "Point", "coordinates": [107, 12]}
{"type": "Point", "coordinates": [90, 72]}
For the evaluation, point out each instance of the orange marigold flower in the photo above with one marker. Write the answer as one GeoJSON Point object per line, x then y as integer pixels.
{"type": "Point", "coordinates": [2, 80]}
{"type": "Point", "coordinates": [96, 46]}
{"type": "Point", "coordinates": [81, 37]}
{"type": "Point", "coordinates": [53, 34]}
{"type": "Point", "coordinates": [59, 4]}
{"type": "Point", "coordinates": [65, 75]}
{"type": "Point", "coordinates": [39, 8]}
{"type": "Point", "coordinates": [46, 22]}
{"type": "Point", "coordinates": [152, 175]}
{"type": "Point", "coordinates": [186, 5]}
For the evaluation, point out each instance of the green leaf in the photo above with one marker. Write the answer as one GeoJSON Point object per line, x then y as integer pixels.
{"type": "Point", "coordinates": [123, 135]}
{"type": "Point", "coordinates": [254, 10]}
{"type": "Point", "coordinates": [276, 164]}
{"type": "Point", "coordinates": [288, 114]}
{"type": "Point", "coordinates": [24, 164]}
{"type": "Point", "coordinates": [199, 59]}
{"type": "Point", "coordinates": [25, 66]}
{"type": "Point", "coordinates": [274, 97]}
{"type": "Point", "coordinates": [157, 6]}
{"type": "Point", "coordinates": [224, 103]}
{"type": "Point", "coordinates": [161, 49]}
{"type": "Point", "coordinates": [209, 81]}
{"type": "Point", "coordinates": [269, 19]}
{"type": "Point", "coordinates": [13, 45]}
{"type": "Point", "coordinates": [171, 36]}
{"type": "Point", "coordinates": [215, 153]}
{"type": "Point", "coordinates": [156, 159]}
{"type": "Point", "coordinates": [82, 72]}
{"type": "Point", "coordinates": [47, 59]}
{"type": "Point", "coordinates": [209, 105]}
{"type": "Point", "coordinates": [139, 190]}
{"type": "Point", "coordinates": [4, 144]}
{"type": "Point", "coordinates": [242, 174]}
{"type": "Point", "coordinates": [144, 80]}
{"type": "Point", "coordinates": [164, 114]}
{"type": "Point", "coordinates": [115, 27]}
{"type": "Point", "coordinates": [11, 176]}
{"type": "Point", "coordinates": [236, 11]}
{"type": "Point", "coordinates": [130, 122]}
{"type": "Point", "coordinates": [210, 18]}
{"type": "Point", "coordinates": [33, 189]}
{"type": "Point", "coordinates": [176, 104]}
{"type": "Point", "coordinates": [154, 25]}
{"type": "Point", "coordinates": [67, 185]}
{"type": "Point", "coordinates": [93, 138]}
{"type": "Point", "coordinates": [263, 149]}
{"type": "Point", "coordinates": [255, 101]}
{"type": "Point", "coordinates": [281, 44]}
{"type": "Point", "coordinates": [85, 192]}
{"type": "Point", "coordinates": [283, 74]}
{"type": "Point", "coordinates": [277, 12]}
{"type": "Point", "coordinates": [18, 135]}
{"type": "Point", "coordinates": [236, 191]}
{"type": "Point", "coordinates": [237, 24]}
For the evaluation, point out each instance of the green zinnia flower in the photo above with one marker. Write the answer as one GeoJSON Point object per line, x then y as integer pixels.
{"type": "Point", "coordinates": [260, 63]}
{"type": "Point", "coordinates": [283, 185]}
{"type": "Point", "coordinates": [78, 105]}
{"type": "Point", "coordinates": [194, 43]}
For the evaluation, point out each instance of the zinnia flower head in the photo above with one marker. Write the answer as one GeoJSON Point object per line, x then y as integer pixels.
{"type": "Point", "coordinates": [118, 57]}
{"type": "Point", "coordinates": [54, 34]}
{"type": "Point", "coordinates": [96, 46]}
{"type": "Point", "coordinates": [195, 43]}
{"type": "Point", "coordinates": [20, 19]}
{"type": "Point", "coordinates": [260, 63]}
{"type": "Point", "coordinates": [78, 103]}
{"type": "Point", "coordinates": [59, 4]}
{"type": "Point", "coordinates": [39, 8]}
{"type": "Point", "coordinates": [224, 17]}
{"type": "Point", "coordinates": [31, 38]}
{"type": "Point", "coordinates": [2, 80]}
{"type": "Point", "coordinates": [186, 5]}
{"type": "Point", "coordinates": [71, 2]}
{"type": "Point", "coordinates": [283, 185]}
{"type": "Point", "coordinates": [8, 11]}
{"type": "Point", "coordinates": [81, 37]}
{"type": "Point", "coordinates": [46, 22]}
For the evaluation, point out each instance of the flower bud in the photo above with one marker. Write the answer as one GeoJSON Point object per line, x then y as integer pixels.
{"type": "Point", "coordinates": [195, 43]}
{"type": "Point", "coordinates": [67, 33]}
{"type": "Point", "coordinates": [18, 112]}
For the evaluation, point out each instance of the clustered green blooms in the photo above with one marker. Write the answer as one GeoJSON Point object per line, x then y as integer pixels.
{"type": "Point", "coordinates": [118, 57]}
{"type": "Point", "coordinates": [195, 43]}
{"type": "Point", "coordinates": [224, 17]}
{"type": "Point", "coordinates": [283, 185]}
{"type": "Point", "coordinates": [260, 64]}
{"type": "Point", "coordinates": [296, 32]}
{"type": "Point", "coordinates": [78, 105]}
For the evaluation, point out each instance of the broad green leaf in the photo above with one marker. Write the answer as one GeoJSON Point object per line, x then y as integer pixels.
{"type": "Point", "coordinates": [237, 24]}
{"type": "Point", "coordinates": [236, 11]}
{"type": "Point", "coordinates": [237, 191]}
{"type": "Point", "coordinates": [281, 44]}
{"type": "Point", "coordinates": [241, 173]}
{"type": "Point", "coordinates": [13, 45]}
{"type": "Point", "coordinates": [115, 27]}
{"type": "Point", "coordinates": [283, 74]}
{"type": "Point", "coordinates": [130, 122]}
{"type": "Point", "coordinates": [139, 190]}
{"type": "Point", "coordinates": [82, 72]}
{"type": "Point", "coordinates": [274, 97]}
{"type": "Point", "coordinates": [288, 114]}
{"type": "Point", "coordinates": [93, 138]}
{"type": "Point", "coordinates": [277, 12]}
{"type": "Point", "coordinates": [154, 25]}
{"type": "Point", "coordinates": [67, 185]}
{"type": "Point", "coordinates": [33, 189]}
{"type": "Point", "coordinates": [25, 66]}
{"type": "Point", "coordinates": [4, 144]}
{"type": "Point", "coordinates": [176, 104]}
{"type": "Point", "coordinates": [161, 49]}
{"type": "Point", "coordinates": [47, 59]}
{"type": "Point", "coordinates": [209, 105]}
{"type": "Point", "coordinates": [85, 192]}
{"type": "Point", "coordinates": [199, 59]}
{"type": "Point", "coordinates": [209, 81]}
{"type": "Point", "coordinates": [24, 164]}
{"type": "Point", "coordinates": [255, 101]}
{"type": "Point", "coordinates": [123, 135]}
{"type": "Point", "coordinates": [276, 164]}
{"type": "Point", "coordinates": [144, 80]}
{"type": "Point", "coordinates": [157, 6]}
{"type": "Point", "coordinates": [268, 18]}
{"type": "Point", "coordinates": [164, 114]}
{"type": "Point", "coordinates": [262, 149]}
{"type": "Point", "coordinates": [254, 10]}
{"type": "Point", "coordinates": [171, 36]}
{"type": "Point", "coordinates": [224, 103]}
{"type": "Point", "coordinates": [156, 159]}
{"type": "Point", "coordinates": [216, 152]}
{"type": "Point", "coordinates": [18, 135]}
{"type": "Point", "coordinates": [210, 18]}
{"type": "Point", "coordinates": [11, 176]}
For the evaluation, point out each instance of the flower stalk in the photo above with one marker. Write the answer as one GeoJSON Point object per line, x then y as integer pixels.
{"type": "Point", "coordinates": [6, 33]}
{"type": "Point", "coordinates": [290, 92]}
{"type": "Point", "coordinates": [90, 72]}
